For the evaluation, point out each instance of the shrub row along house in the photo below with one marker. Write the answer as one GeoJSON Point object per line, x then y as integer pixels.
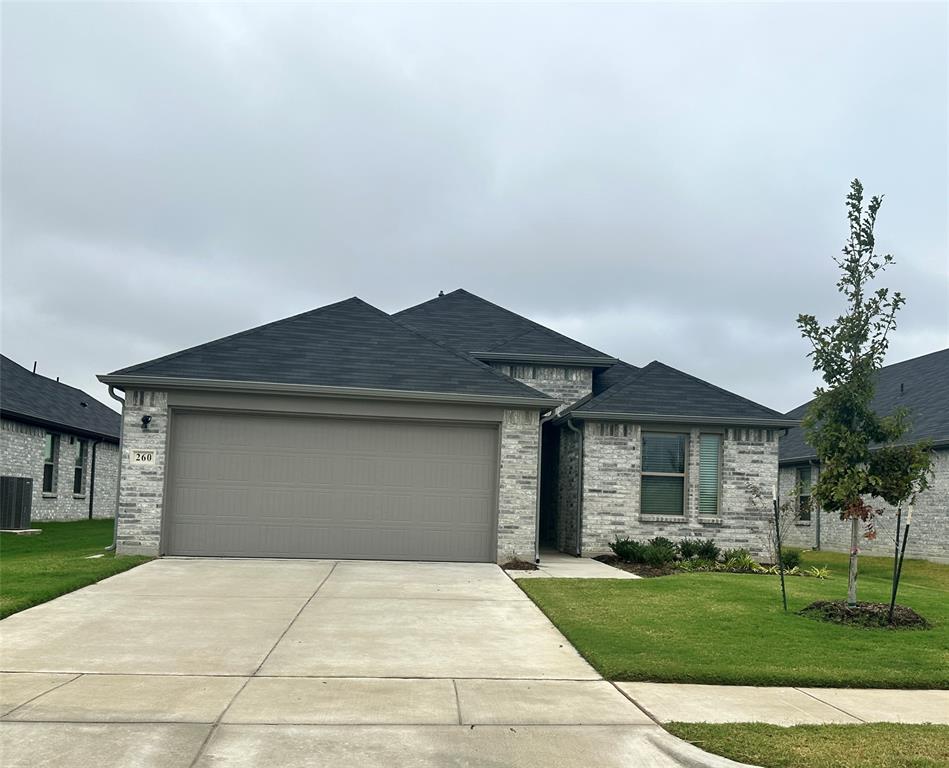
{"type": "Point", "coordinates": [453, 430]}
{"type": "Point", "coordinates": [921, 386]}
{"type": "Point", "coordinates": [62, 440]}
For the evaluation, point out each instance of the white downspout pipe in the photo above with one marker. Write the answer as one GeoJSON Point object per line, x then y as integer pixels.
{"type": "Point", "coordinates": [118, 480]}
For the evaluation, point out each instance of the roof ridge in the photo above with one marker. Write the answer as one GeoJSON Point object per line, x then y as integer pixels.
{"type": "Point", "coordinates": [51, 380]}
{"type": "Point", "coordinates": [230, 336]}
{"type": "Point", "coordinates": [463, 355]}
{"type": "Point", "coordinates": [714, 387]}
{"type": "Point", "coordinates": [428, 301]}
{"type": "Point", "coordinates": [620, 386]}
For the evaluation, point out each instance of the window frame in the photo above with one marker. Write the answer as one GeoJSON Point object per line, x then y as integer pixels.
{"type": "Point", "coordinates": [51, 460]}
{"type": "Point", "coordinates": [799, 486]}
{"type": "Point", "coordinates": [684, 475]}
{"type": "Point", "coordinates": [719, 472]}
{"type": "Point", "coordinates": [79, 467]}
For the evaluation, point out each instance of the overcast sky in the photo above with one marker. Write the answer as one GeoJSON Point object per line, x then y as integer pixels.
{"type": "Point", "coordinates": [658, 181]}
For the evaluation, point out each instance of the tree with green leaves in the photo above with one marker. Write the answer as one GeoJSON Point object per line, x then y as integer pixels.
{"type": "Point", "coordinates": [859, 451]}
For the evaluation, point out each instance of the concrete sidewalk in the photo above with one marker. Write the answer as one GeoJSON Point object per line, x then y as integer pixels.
{"type": "Point", "coordinates": [670, 702]}
{"type": "Point", "coordinates": [558, 565]}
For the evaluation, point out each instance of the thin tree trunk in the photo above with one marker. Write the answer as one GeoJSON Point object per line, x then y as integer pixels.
{"type": "Point", "coordinates": [854, 549]}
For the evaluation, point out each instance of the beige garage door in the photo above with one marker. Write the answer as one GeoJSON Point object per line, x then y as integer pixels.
{"type": "Point", "coordinates": [248, 485]}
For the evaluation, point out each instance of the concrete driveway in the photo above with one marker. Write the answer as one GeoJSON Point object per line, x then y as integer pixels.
{"type": "Point", "coordinates": [191, 662]}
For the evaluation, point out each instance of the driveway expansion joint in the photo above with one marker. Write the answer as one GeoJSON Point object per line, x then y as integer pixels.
{"type": "Point", "coordinates": [833, 706]}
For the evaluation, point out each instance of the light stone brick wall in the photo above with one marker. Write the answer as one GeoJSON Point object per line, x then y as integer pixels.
{"type": "Point", "coordinates": [928, 536]}
{"type": "Point", "coordinates": [517, 493]}
{"type": "Point", "coordinates": [22, 451]}
{"type": "Point", "coordinates": [142, 485]}
{"type": "Point", "coordinates": [611, 488]}
{"type": "Point", "coordinates": [567, 383]}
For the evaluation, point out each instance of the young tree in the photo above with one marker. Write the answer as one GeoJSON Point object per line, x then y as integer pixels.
{"type": "Point", "coordinates": [840, 423]}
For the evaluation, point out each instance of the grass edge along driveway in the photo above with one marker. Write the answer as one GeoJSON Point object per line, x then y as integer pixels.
{"type": "Point", "coordinates": [723, 628]}
{"type": "Point", "coordinates": [874, 745]}
{"type": "Point", "coordinates": [37, 568]}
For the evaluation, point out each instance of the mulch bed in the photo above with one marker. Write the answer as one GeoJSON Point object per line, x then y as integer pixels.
{"type": "Point", "coordinates": [519, 565]}
{"type": "Point", "coordinates": [872, 615]}
{"type": "Point", "coordinates": [646, 571]}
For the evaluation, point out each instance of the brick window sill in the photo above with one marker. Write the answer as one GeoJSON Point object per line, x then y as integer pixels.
{"type": "Point", "coordinates": [711, 520]}
{"type": "Point", "coordinates": [49, 495]}
{"type": "Point", "coordinates": [79, 495]}
{"type": "Point", "coordinates": [662, 518]}
{"type": "Point", "coordinates": [804, 523]}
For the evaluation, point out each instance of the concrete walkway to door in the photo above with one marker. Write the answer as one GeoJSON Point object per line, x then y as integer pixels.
{"type": "Point", "coordinates": [308, 663]}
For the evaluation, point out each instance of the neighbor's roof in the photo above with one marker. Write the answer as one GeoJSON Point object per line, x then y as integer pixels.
{"type": "Point", "coordinates": [603, 380]}
{"type": "Point", "coordinates": [920, 385]}
{"type": "Point", "coordinates": [348, 346]}
{"type": "Point", "coordinates": [30, 397]}
{"type": "Point", "coordinates": [490, 332]}
{"type": "Point", "coordinates": [662, 393]}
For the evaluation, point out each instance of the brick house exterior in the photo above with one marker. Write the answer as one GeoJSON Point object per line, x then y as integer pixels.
{"type": "Point", "coordinates": [455, 360]}
{"type": "Point", "coordinates": [921, 387]}
{"type": "Point", "coordinates": [61, 438]}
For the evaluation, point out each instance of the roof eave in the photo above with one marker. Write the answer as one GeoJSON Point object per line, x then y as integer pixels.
{"type": "Point", "coordinates": [59, 426]}
{"type": "Point", "coordinates": [123, 381]}
{"type": "Point", "coordinates": [573, 360]}
{"type": "Point", "coordinates": [680, 418]}
{"type": "Point", "coordinates": [937, 444]}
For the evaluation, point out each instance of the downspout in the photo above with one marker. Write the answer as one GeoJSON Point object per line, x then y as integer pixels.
{"type": "Point", "coordinates": [118, 481]}
{"type": "Point", "coordinates": [92, 475]}
{"type": "Point", "coordinates": [579, 432]}
{"type": "Point", "coordinates": [540, 448]}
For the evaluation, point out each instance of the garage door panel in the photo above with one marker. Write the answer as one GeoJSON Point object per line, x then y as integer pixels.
{"type": "Point", "coordinates": [284, 486]}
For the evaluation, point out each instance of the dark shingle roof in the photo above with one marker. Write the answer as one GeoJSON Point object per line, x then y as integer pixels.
{"type": "Point", "coordinates": [27, 396]}
{"type": "Point", "coordinates": [920, 385]}
{"type": "Point", "coordinates": [349, 344]}
{"type": "Point", "coordinates": [603, 380]}
{"type": "Point", "coordinates": [659, 391]}
{"type": "Point", "coordinates": [475, 325]}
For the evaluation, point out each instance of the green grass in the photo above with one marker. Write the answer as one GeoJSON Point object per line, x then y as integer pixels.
{"type": "Point", "coordinates": [34, 569]}
{"type": "Point", "coordinates": [879, 745]}
{"type": "Point", "coordinates": [730, 628]}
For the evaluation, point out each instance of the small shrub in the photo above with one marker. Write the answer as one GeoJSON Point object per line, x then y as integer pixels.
{"type": "Point", "coordinates": [659, 552]}
{"type": "Point", "coordinates": [697, 565]}
{"type": "Point", "coordinates": [732, 554]}
{"type": "Point", "coordinates": [818, 573]}
{"type": "Point", "coordinates": [629, 550]}
{"type": "Point", "coordinates": [701, 549]}
{"type": "Point", "coordinates": [790, 558]}
{"type": "Point", "coordinates": [742, 563]}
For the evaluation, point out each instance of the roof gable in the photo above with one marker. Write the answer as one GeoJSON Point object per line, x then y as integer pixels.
{"type": "Point", "coordinates": [480, 327]}
{"type": "Point", "coordinates": [28, 396]}
{"type": "Point", "coordinates": [665, 393]}
{"type": "Point", "coordinates": [921, 385]}
{"type": "Point", "coordinates": [349, 344]}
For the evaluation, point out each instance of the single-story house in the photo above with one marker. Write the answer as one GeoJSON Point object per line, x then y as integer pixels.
{"type": "Point", "coordinates": [453, 430]}
{"type": "Point", "coordinates": [921, 386]}
{"type": "Point", "coordinates": [63, 440]}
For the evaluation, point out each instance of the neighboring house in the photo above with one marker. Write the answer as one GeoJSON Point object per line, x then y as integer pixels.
{"type": "Point", "coordinates": [65, 440]}
{"type": "Point", "coordinates": [921, 386]}
{"type": "Point", "coordinates": [453, 430]}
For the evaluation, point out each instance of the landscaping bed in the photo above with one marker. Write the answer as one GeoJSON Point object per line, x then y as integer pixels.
{"type": "Point", "coordinates": [872, 615]}
{"type": "Point", "coordinates": [640, 569]}
{"type": "Point", "coordinates": [877, 745]}
{"type": "Point", "coordinates": [34, 569]}
{"type": "Point", "coordinates": [731, 629]}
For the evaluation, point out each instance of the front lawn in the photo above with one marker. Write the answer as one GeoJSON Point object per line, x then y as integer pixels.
{"type": "Point", "coordinates": [730, 629]}
{"type": "Point", "coordinates": [34, 569]}
{"type": "Point", "coordinates": [881, 745]}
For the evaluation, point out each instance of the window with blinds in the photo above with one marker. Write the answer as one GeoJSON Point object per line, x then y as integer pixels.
{"type": "Point", "coordinates": [663, 473]}
{"type": "Point", "coordinates": [710, 463]}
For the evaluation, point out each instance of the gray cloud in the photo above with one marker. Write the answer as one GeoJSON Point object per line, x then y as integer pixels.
{"type": "Point", "coordinates": [659, 181]}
